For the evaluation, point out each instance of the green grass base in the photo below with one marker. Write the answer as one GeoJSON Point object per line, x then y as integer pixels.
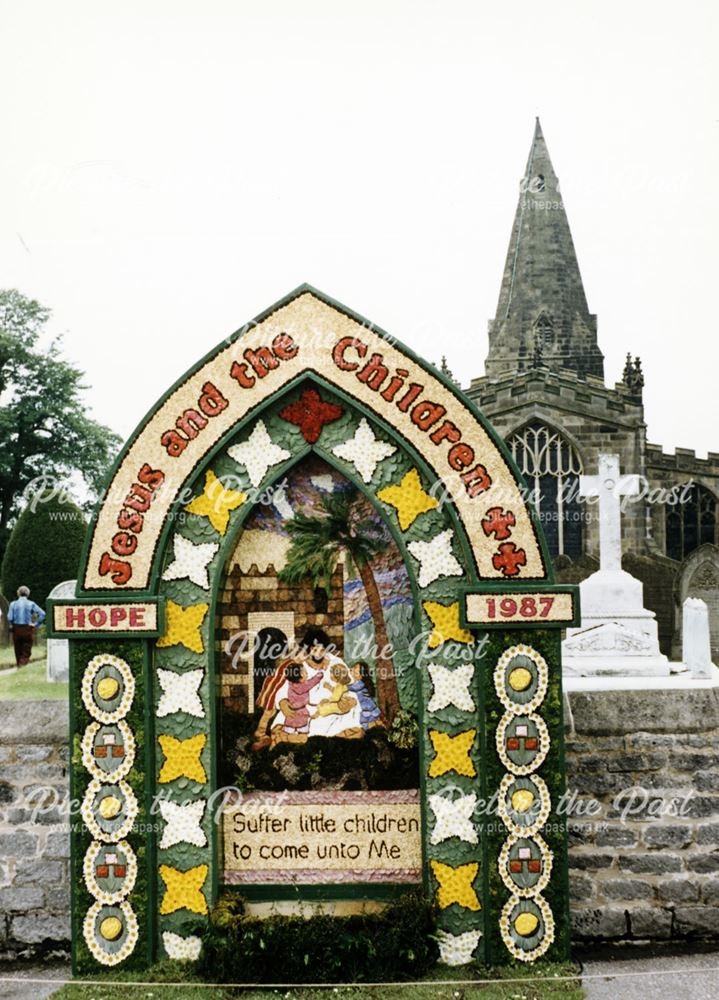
{"type": "Point", "coordinates": [540, 982]}
{"type": "Point", "coordinates": [29, 683]}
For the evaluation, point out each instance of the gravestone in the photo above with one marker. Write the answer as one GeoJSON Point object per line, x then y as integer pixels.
{"type": "Point", "coordinates": [364, 691]}
{"type": "Point", "coordinates": [700, 579]}
{"type": "Point", "coordinates": [696, 641]}
{"type": "Point", "coordinates": [617, 635]}
{"type": "Point", "coordinates": [58, 650]}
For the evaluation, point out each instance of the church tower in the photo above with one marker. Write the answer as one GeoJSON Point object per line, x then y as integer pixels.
{"type": "Point", "coordinates": [542, 317]}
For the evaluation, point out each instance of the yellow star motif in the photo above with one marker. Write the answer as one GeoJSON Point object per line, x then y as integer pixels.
{"type": "Point", "coordinates": [182, 625]}
{"type": "Point", "coordinates": [455, 885]}
{"type": "Point", "coordinates": [452, 753]}
{"type": "Point", "coordinates": [183, 889]}
{"type": "Point", "coordinates": [215, 502]}
{"type": "Point", "coordinates": [182, 758]}
{"type": "Point", "coordinates": [408, 498]}
{"type": "Point", "coordinates": [445, 622]}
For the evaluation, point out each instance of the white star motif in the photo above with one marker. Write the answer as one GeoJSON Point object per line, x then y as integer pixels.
{"type": "Point", "coordinates": [191, 561]}
{"type": "Point", "coordinates": [182, 949]}
{"type": "Point", "coordinates": [457, 949]}
{"type": "Point", "coordinates": [257, 453]}
{"type": "Point", "coordinates": [451, 687]}
{"type": "Point", "coordinates": [364, 450]}
{"type": "Point", "coordinates": [180, 693]}
{"type": "Point", "coordinates": [453, 818]}
{"type": "Point", "coordinates": [435, 558]}
{"type": "Point", "coordinates": [182, 823]}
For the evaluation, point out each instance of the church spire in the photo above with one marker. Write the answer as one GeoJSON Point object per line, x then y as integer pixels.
{"type": "Point", "coordinates": [542, 308]}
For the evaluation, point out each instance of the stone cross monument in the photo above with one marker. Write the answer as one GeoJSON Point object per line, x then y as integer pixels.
{"type": "Point", "coordinates": [609, 488]}
{"type": "Point", "coordinates": [618, 635]}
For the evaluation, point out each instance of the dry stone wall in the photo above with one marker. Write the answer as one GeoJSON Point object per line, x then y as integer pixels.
{"type": "Point", "coordinates": [643, 867]}
{"type": "Point", "coordinates": [34, 838]}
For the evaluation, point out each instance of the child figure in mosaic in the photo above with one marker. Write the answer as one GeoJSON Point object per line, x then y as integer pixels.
{"type": "Point", "coordinates": [299, 685]}
{"type": "Point", "coordinates": [362, 687]}
{"type": "Point", "coordinates": [338, 702]}
{"type": "Point", "coordinates": [312, 650]}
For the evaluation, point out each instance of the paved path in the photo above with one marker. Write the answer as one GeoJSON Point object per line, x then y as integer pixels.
{"type": "Point", "coordinates": [31, 991]}
{"type": "Point", "coordinates": [684, 977]}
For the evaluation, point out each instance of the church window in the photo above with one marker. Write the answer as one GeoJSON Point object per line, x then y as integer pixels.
{"type": "Point", "coordinates": [552, 467]}
{"type": "Point", "coordinates": [691, 522]}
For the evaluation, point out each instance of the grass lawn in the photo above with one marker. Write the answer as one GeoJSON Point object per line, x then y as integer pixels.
{"type": "Point", "coordinates": [28, 683]}
{"type": "Point", "coordinates": [545, 983]}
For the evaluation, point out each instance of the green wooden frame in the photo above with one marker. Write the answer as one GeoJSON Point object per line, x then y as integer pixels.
{"type": "Point", "coordinates": [455, 918]}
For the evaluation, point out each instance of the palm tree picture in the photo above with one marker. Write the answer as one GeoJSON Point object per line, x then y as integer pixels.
{"type": "Point", "coordinates": [318, 541]}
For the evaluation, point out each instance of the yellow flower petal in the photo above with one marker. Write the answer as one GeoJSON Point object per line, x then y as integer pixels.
{"type": "Point", "coordinates": [445, 622]}
{"type": "Point", "coordinates": [408, 499]}
{"type": "Point", "coordinates": [183, 889]}
{"type": "Point", "coordinates": [215, 502]}
{"type": "Point", "coordinates": [111, 928]}
{"type": "Point", "coordinates": [182, 758]}
{"type": "Point", "coordinates": [455, 885]}
{"type": "Point", "coordinates": [182, 626]}
{"type": "Point", "coordinates": [526, 924]}
{"type": "Point", "coordinates": [452, 753]}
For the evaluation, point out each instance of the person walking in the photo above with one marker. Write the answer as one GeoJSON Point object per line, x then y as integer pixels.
{"type": "Point", "coordinates": [23, 618]}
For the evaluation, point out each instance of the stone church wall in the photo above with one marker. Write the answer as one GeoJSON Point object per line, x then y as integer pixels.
{"type": "Point", "coordinates": [592, 417]}
{"type": "Point", "coordinates": [664, 470]}
{"type": "Point", "coordinates": [641, 879]}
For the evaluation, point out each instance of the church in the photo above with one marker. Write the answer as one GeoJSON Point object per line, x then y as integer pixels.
{"type": "Point", "coordinates": [544, 391]}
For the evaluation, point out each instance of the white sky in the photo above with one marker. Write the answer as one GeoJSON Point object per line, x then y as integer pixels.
{"type": "Point", "coordinates": [170, 169]}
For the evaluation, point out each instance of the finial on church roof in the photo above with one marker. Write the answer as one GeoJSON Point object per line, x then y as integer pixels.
{"type": "Point", "coordinates": [627, 373]}
{"type": "Point", "coordinates": [633, 376]}
{"type": "Point", "coordinates": [446, 370]}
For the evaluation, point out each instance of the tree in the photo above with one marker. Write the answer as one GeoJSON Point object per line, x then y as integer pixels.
{"type": "Point", "coordinates": [318, 543]}
{"type": "Point", "coordinates": [44, 547]}
{"type": "Point", "coordinates": [45, 433]}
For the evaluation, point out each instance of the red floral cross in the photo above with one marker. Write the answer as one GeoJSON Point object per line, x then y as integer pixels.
{"type": "Point", "coordinates": [498, 522]}
{"type": "Point", "coordinates": [509, 558]}
{"type": "Point", "coordinates": [310, 413]}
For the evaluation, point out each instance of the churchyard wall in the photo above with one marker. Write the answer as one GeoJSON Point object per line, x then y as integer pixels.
{"type": "Point", "coordinates": [34, 842]}
{"type": "Point", "coordinates": [646, 865]}
{"type": "Point", "coordinates": [643, 867]}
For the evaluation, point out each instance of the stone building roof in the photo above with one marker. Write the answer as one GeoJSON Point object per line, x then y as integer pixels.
{"type": "Point", "coordinates": [542, 315]}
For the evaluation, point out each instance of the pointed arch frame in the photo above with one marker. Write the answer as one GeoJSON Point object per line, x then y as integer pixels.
{"type": "Point", "coordinates": [296, 314]}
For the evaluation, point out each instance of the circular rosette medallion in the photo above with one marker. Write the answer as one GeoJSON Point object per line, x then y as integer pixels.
{"type": "Point", "coordinates": [110, 871]}
{"type": "Point", "coordinates": [108, 688]}
{"type": "Point", "coordinates": [520, 679]}
{"type": "Point", "coordinates": [525, 865]}
{"type": "Point", "coordinates": [524, 804]}
{"type": "Point", "coordinates": [527, 927]}
{"type": "Point", "coordinates": [109, 811]}
{"type": "Point", "coordinates": [111, 932]}
{"type": "Point", "coordinates": [108, 751]}
{"type": "Point", "coordinates": [522, 742]}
